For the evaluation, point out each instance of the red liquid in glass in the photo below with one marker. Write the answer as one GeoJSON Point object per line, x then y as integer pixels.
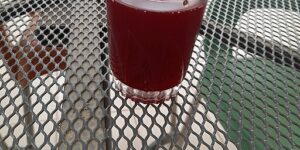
{"type": "Point", "coordinates": [150, 42]}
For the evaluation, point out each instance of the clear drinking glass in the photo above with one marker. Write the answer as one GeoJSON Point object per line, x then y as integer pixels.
{"type": "Point", "coordinates": [150, 45]}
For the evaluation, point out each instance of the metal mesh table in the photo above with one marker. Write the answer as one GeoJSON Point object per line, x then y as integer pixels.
{"type": "Point", "coordinates": [242, 89]}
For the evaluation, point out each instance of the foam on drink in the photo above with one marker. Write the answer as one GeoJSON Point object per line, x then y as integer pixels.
{"type": "Point", "coordinates": [160, 5]}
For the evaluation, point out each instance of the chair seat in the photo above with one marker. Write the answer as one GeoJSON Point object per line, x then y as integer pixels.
{"type": "Point", "coordinates": [25, 54]}
{"type": "Point", "coordinates": [34, 60]}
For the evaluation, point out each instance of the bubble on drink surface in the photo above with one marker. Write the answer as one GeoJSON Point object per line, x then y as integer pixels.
{"type": "Point", "coordinates": [162, 5]}
{"type": "Point", "coordinates": [185, 2]}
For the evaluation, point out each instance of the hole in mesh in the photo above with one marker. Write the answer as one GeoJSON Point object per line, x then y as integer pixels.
{"type": "Point", "coordinates": [85, 21]}
{"type": "Point", "coordinates": [103, 57]}
{"type": "Point", "coordinates": [91, 35]}
{"type": "Point", "coordinates": [104, 29]}
{"type": "Point", "coordinates": [5, 101]}
{"type": "Point", "coordinates": [52, 5]}
{"type": "Point", "coordinates": [9, 140]}
{"type": "Point", "coordinates": [92, 123]}
{"type": "Point", "coordinates": [101, 34]}
{"type": "Point", "coordinates": [58, 21]}
{"type": "Point", "coordinates": [55, 42]}
{"type": "Point", "coordinates": [15, 118]}
{"type": "Point", "coordinates": [77, 145]}
{"type": "Point", "coordinates": [102, 45]}
{"type": "Point", "coordinates": [20, 9]}
{"type": "Point", "coordinates": [207, 137]}
{"type": "Point", "coordinates": [45, 30]}
{"type": "Point", "coordinates": [48, 128]}
{"type": "Point", "coordinates": [85, 135]}
{"type": "Point", "coordinates": [93, 145]}
{"type": "Point", "coordinates": [42, 116]}
{"type": "Point", "coordinates": [103, 12]}
{"type": "Point", "coordinates": [123, 143]}
{"type": "Point", "coordinates": [100, 135]}
{"type": "Point", "coordinates": [23, 141]}
{"type": "Point", "coordinates": [39, 140]}
{"type": "Point", "coordinates": [51, 37]}
{"type": "Point", "coordinates": [78, 124]}
{"type": "Point", "coordinates": [10, 85]}
{"type": "Point", "coordinates": [105, 39]}
{"type": "Point", "coordinates": [61, 36]}
{"type": "Point", "coordinates": [51, 107]}
{"type": "Point", "coordinates": [56, 31]}
{"type": "Point", "coordinates": [46, 147]}
{"type": "Point", "coordinates": [3, 14]}
{"type": "Point", "coordinates": [103, 20]}
{"type": "Point", "coordinates": [10, 9]}
{"type": "Point", "coordinates": [85, 94]}
{"type": "Point", "coordinates": [44, 42]}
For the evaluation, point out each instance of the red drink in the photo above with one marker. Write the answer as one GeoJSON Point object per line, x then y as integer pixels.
{"type": "Point", "coordinates": [150, 44]}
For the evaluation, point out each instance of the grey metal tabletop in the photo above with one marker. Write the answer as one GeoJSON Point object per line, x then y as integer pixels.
{"type": "Point", "coordinates": [241, 90]}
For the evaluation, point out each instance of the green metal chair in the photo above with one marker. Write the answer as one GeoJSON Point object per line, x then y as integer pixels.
{"type": "Point", "coordinates": [255, 99]}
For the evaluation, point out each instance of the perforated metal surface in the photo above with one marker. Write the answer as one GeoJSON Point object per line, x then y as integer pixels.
{"type": "Point", "coordinates": [242, 89]}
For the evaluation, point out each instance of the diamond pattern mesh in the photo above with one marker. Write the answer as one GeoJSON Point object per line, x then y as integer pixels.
{"type": "Point", "coordinates": [242, 89]}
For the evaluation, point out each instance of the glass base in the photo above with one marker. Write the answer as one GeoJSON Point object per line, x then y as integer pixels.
{"type": "Point", "coordinates": [147, 97]}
